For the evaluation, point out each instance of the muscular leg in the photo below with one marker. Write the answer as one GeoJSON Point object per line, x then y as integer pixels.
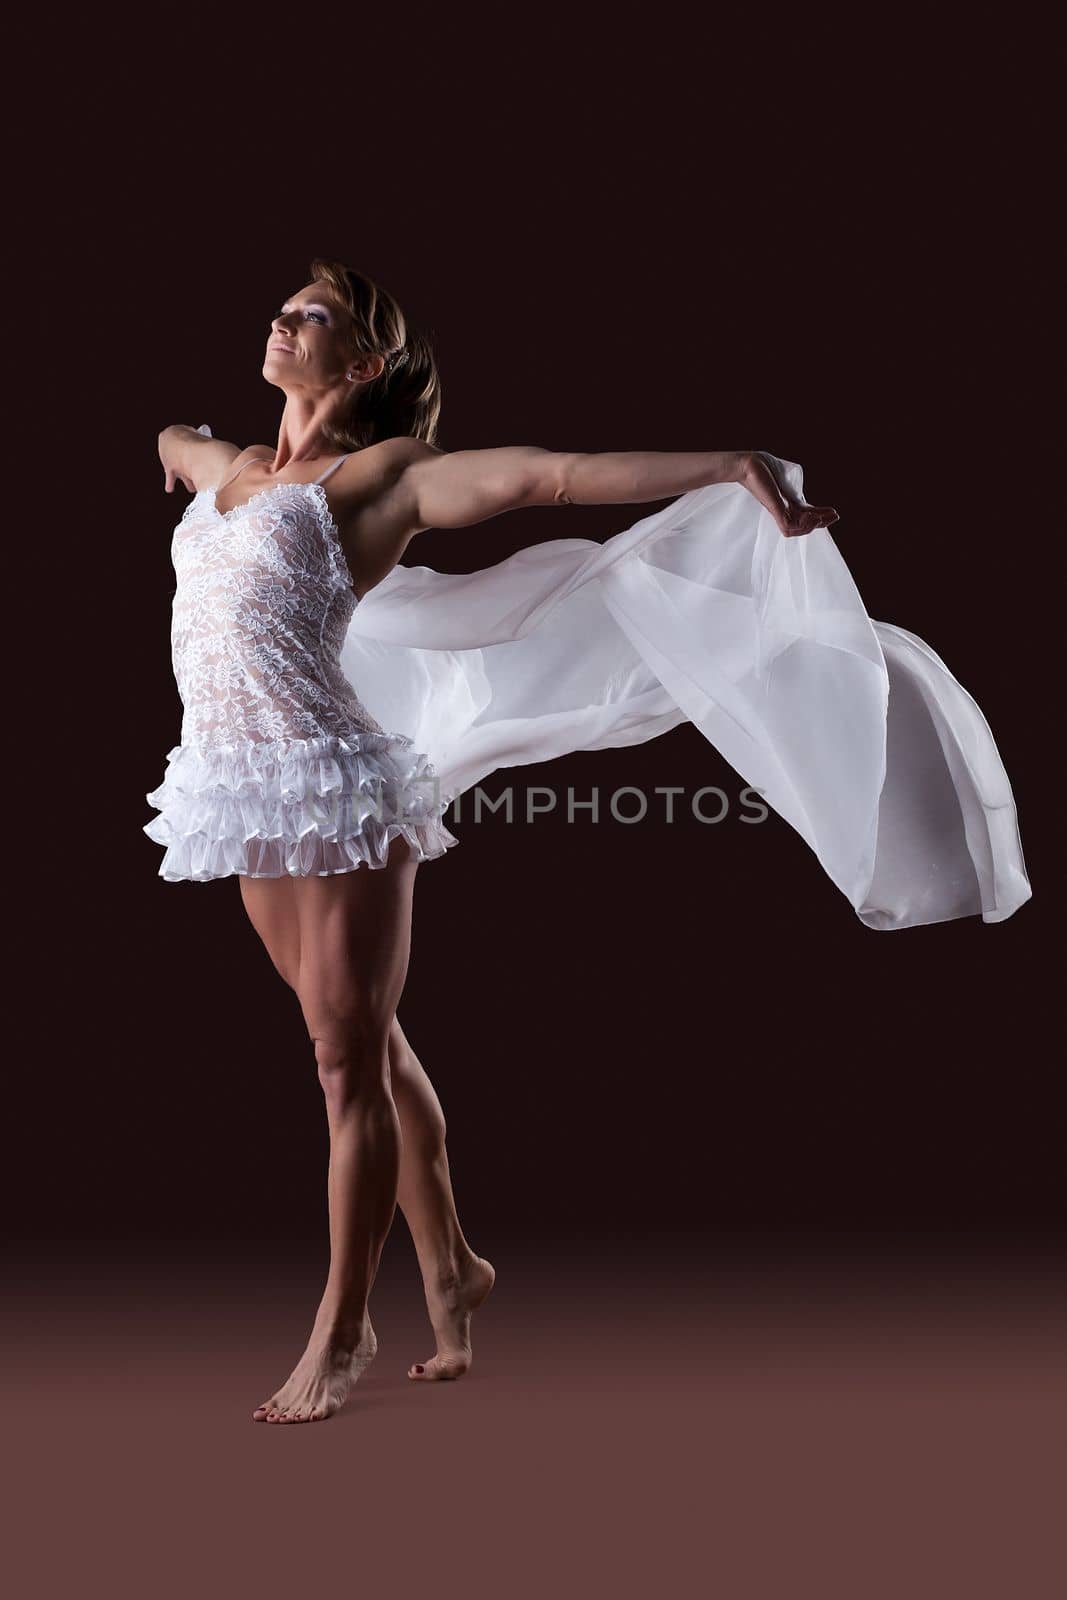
{"type": "Point", "coordinates": [271, 907]}
{"type": "Point", "coordinates": [354, 932]}
{"type": "Point", "coordinates": [455, 1280]}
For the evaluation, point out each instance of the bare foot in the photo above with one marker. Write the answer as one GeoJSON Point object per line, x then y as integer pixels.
{"type": "Point", "coordinates": [450, 1303]}
{"type": "Point", "coordinates": [321, 1380]}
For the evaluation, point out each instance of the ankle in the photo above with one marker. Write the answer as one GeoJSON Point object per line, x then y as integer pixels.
{"type": "Point", "coordinates": [341, 1329]}
{"type": "Point", "coordinates": [448, 1268]}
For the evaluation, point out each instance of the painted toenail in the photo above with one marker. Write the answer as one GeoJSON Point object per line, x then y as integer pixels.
{"type": "Point", "coordinates": [419, 1367]}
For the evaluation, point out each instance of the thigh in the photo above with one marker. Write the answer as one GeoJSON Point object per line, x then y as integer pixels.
{"type": "Point", "coordinates": [354, 932]}
{"type": "Point", "coordinates": [271, 907]}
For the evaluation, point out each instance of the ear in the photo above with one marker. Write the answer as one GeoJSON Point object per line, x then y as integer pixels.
{"type": "Point", "coordinates": [365, 368]}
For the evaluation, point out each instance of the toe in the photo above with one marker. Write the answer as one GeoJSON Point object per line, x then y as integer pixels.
{"type": "Point", "coordinates": [438, 1368]}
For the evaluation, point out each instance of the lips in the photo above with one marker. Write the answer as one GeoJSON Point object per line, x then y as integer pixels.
{"type": "Point", "coordinates": [279, 349]}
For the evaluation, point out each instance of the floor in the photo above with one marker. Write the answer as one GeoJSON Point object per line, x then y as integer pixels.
{"type": "Point", "coordinates": [703, 1423]}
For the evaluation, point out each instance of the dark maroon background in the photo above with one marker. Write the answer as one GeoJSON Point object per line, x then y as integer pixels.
{"type": "Point", "coordinates": [619, 234]}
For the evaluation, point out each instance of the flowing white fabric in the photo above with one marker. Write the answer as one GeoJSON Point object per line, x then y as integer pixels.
{"type": "Point", "coordinates": [854, 731]}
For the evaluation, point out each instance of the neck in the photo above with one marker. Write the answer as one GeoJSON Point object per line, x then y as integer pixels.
{"type": "Point", "coordinates": [300, 432]}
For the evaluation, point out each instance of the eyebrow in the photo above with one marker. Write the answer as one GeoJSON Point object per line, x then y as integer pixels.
{"type": "Point", "coordinates": [309, 305]}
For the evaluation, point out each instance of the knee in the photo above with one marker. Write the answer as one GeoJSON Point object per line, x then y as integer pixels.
{"type": "Point", "coordinates": [401, 1055]}
{"type": "Point", "coordinates": [351, 1057]}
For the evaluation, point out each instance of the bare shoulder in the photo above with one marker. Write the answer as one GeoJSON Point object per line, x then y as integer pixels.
{"type": "Point", "coordinates": [374, 484]}
{"type": "Point", "coordinates": [393, 457]}
{"type": "Point", "coordinates": [419, 450]}
{"type": "Point", "coordinates": [402, 471]}
{"type": "Point", "coordinates": [416, 455]}
{"type": "Point", "coordinates": [198, 461]}
{"type": "Point", "coordinates": [376, 506]}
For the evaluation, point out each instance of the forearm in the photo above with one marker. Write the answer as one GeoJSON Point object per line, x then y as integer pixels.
{"type": "Point", "coordinates": [609, 476]}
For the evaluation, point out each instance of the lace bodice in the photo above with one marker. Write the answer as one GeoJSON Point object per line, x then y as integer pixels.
{"type": "Point", "coordinates": [261, 607]}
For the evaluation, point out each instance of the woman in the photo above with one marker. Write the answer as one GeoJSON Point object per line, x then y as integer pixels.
{"type": "Point", "coordinates": [285, 778]}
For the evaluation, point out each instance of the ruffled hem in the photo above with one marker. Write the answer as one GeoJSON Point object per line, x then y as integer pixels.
{"type": "Point", "coordinates": [296, 807]}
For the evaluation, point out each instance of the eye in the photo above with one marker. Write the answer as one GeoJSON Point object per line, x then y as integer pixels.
{"type": "Point", "coordinates": [281, 312]}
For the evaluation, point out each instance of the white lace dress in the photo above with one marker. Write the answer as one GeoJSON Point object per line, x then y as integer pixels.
{"type": "Point", "coordinates": [281, 769]}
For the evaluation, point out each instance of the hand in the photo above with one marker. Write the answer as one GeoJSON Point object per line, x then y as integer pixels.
{"type": "Point", "coordinates": [171, 472]}
{"type": "Point", "coordinates": [793, 518]}
{"type": "Point", "coordinates": [172, 475]}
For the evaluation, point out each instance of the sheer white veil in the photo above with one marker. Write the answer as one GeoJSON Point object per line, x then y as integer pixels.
{"type": "Point", "coordinates": [854, 731]}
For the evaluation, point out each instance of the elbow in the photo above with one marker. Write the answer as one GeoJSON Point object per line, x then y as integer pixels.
{"type": "Point", "coordinates": [564, 490]}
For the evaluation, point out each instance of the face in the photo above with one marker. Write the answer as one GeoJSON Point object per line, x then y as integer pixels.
{"type": "Point", "coordinates": [309, 344]}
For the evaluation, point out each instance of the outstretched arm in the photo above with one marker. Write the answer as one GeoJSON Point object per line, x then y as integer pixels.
{"type": "Point", "coordinates": [191, 459]}
{"type": "Point", "coordinates": [462, 487]}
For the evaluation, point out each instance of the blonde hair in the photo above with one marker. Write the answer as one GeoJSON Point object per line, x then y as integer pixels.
{"type": "Point", "coordinates": [405, 399]}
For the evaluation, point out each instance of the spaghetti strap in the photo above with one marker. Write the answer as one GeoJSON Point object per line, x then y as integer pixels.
{"type": "Point", "coordinates": [332, 467]}
{"type": "Point", "coordinates": [233, 475]}
{"type": "Point", "coordinates": [323, 475]}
